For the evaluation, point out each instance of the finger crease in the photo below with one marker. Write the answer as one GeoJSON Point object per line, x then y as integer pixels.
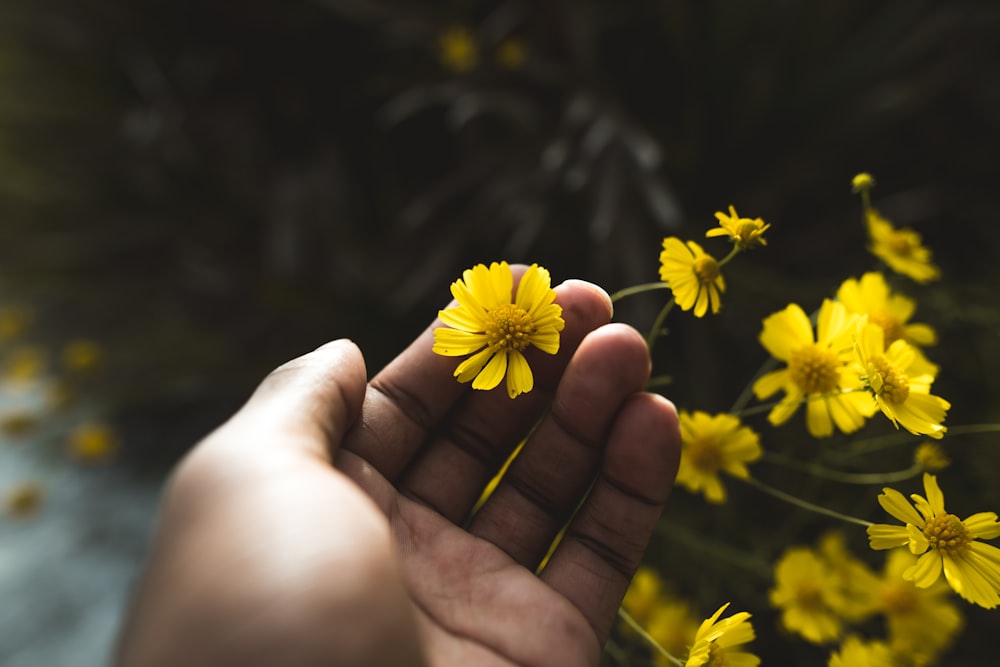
{"type": "Point", "coordinates": [407, 402]}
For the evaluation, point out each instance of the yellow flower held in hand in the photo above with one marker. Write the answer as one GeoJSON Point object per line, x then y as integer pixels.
{"type": "Point", "coordinates": [714, 444]}
{"type": "Point", "coordinates": [818, 370]}
{"type": "Point", "coordinates": [901, 249]}
{"type": "Point", "coordinates": [717, 643]}
{"type": "Point", "coordinates": [693, 275]}
{"type": "Point", "coordinates": [744, 232]}
{"type": "Point", "coordinates": [495, 330]}
{"type": "Point", "coordinates": [901, 382]}
{"type": "Point", "coordinates": [944, 543]}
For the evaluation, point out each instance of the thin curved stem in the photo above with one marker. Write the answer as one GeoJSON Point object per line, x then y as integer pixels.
{"type": "Point", "coordinates": [637, 289]}
{"type": "Point", "coordinates": [863, 478]}
{"type": "Point", "coordinates": [654, 331]}
{"type": "Point", "coordinates": [804, 504]}
{"type": "Point", "coordinates": [632, 623]}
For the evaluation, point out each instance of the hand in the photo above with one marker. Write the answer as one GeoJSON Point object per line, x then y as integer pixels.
{"type": "Point", "coordinates": [267, 554]}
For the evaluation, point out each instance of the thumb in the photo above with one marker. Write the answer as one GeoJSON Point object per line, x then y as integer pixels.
{"type": "Point", "coordinates": [310, 401]}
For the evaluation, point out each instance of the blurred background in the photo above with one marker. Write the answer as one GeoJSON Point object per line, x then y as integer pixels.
{"type": "Point", "coordinates": [192, 193]}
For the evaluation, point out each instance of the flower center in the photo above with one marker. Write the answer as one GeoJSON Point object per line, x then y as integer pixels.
{"type": "Point", "coordinates": [887, 382]}
{"type": "Point", "coordinates": [707, 270]}
{"type": "Point", "coordinates": [748, 232]}
{"type": "Point", "coordinates": [509, 327]}
{"type": "Point", "coordinates": [899, 243]}
{"type": "Point", "coordinates": [947, 533]}
{"type": "Point", "coordinates": [716, 656]}
{"type": "Point", "coordinates": [809, 597]}
{"type": "Point", "coordinates": [814, 370]}
{"type": "Point", "coordinates": [706, 455]}
{"type": "Point", "coordinates": [898, 599]}
{"type": "Point", "coordinates": [892, 327]}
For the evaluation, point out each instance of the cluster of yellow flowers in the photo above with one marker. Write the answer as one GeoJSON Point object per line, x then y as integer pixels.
{"type": "Point", "coordinates": [858, 354]}
{"type": "Point", "coordinates": [38, 392]}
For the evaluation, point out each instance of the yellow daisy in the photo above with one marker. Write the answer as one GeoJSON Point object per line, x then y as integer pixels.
{"type": "Point", "coordinates": [458, 50]}
{"type": "Point", "coordinates": [511, 53]}
{"type": "Point", "coordinates": [718, 643]}
{"type": "Point", "coordinates": [944, 543]}
{"type": "Point", "coordinates": [852, 576]}
{"type": "Point", "coordinates": [23, 499]}
{"type": "Point", "coordinates": [818, 369]}
{"type": "Point", "coordinates": [921, 621]}
{"type": "Point", "coordinates": [744, 232]}
{"type": "Point", "coordinates": [871, 296]}
{"type": "Point", "coordinates": [901, 382]}
{"type": "Point", "coordinates": [931, 456]}
{"type": "Point", "coordinates": [82, 356]}
{"type": "Point", "coordinates": [808, 595]}
{"type": "Point", "coordinates": [673, 625]}
{"type": "Point", "coordinates": [714, 444]}
{"type": "Point", "coordinates": [495, 329]}
{"type": "Point", "coordinates": [862, 182]}
{"type": "Point", "coordinates": [856, 653]}
{"type": "Point", "coordinates": [901, 249]}
{"type": "Point", "coordinates": [693, 275]}
{"type": "Point", "coordinates": [93, 442]}
{"type": "Point", "coordinates": [643, 594]}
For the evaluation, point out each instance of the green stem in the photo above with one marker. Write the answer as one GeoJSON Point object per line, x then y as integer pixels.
{"type": "Point", "coordinates": [732, 253]}
{"type": "Point", "coordinates": [804, 504]}
{"type": "Point", "coordinates": [637, 289]}
{"type": "Point", "coordinates": [817, 470]}
{"type": "Point", "coordinates": [654, 331]}
{"type": "Point", "coordinates": [631, 622]}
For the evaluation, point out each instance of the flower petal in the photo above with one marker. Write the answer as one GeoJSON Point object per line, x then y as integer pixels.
{"type": "Point", "coordinates": [895, 503]}
{"type": "Point", "coordinates": [491, 375]}
{"type": "Point", "coordinates": [925, 571]}
{"type": "Point", "coordinates": [519, 377]}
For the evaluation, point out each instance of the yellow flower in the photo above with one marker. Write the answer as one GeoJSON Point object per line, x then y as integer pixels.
{"type": "Point", "coordinates": [511, 53]}
{"type": "Point", "coordinates": [13, 322]}
{"type": "Point", "coordinates": [900, 249]}
{"type": "Point", "coordinates": [643, 594]}
{"type": "Point", "coordinates": [82, 356]}
{"type": "Point", "coordinates": [744, 232]}
{"type": "Point", "coordinates": [93, 442]}
{"type": "Point", "coordinates": [862, 182]}
{"type": "Point", "coordinates": [673, 625]}
{"type": "Point", "coordinates": [871, 296]}
{"type": "Point", "coordinates": [23, 500]}
{"type": "Point", "coordinates": [458, 50]}
{"type": "Point", "coordinates": [931, 456]}
{"type": "Point", "coordinates": [855, 653]}
{"type": "Point", "coordinates": [18, 424]}
{"type": "Point", "coordinates": [495, 330]}
{"type": "Point", "coordinates": [714, 444]}
{"type": "Point", "coordinates": [717, 643]}
{"type": "Point", "coordinates": [25, 364]}
{"type": "Point", "coordinates": [818, 369]}
{"type": "Point", "coordinates": [921, 621]}
{"type": "Point", "coordinates": [944, 543]}
{"type": "Point", "coordinates": [901, 382]}
{"type": "Point", "coordinates": [808, 595]}
{"type": "Point", "coordinates": [693, 275]}
{"type": "Point", "coordinates": [854, 579]}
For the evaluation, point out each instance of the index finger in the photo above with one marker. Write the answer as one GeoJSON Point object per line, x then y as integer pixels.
{"type": "Point", "coordinates": [417, 394]}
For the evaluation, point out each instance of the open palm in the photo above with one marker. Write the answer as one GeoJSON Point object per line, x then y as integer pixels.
{"type": "Point", "coordinates": [266, 554]}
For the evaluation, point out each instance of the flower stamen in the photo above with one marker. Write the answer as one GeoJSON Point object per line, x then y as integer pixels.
{"type": "Point", "coordinates": [509, 327]}
{"type": "Point", "coordinates": [947, 533]}
{"type": "Point", "coordinates": [814, 370]}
